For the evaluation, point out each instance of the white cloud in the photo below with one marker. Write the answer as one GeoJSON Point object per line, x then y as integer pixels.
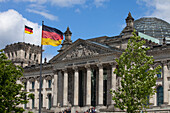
{"type": "Point", "coordinates": [46, 15]}
{"type": "Point", "coordinates": [157, 8]}
{"type": "Point", "coordinates": [12, 29]}
{"type": "Point", "coordinates": [99, 3]}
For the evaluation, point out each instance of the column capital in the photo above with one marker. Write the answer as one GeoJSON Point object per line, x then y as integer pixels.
{"type": "Point", "coordinates": [75, 68]}
{"type": "Point", "coordinates": [31, 79]}
{"type": "Point", "coordinates": [56, 71]}
{"type": "Point", "coordinates": [23, 79]}
{"type": "Point", "coordinates": [100, 65]}
{"type": "Point", "coordinates": [87, 66]}
{"type": "Point", "coordinates": [113, 63]}
{"type": "Point", "coordinates": [64, 70]}
{"type": "Point", "coordinates": [48, 77]}
{"type": "Point", "coordinates": [164, 62]}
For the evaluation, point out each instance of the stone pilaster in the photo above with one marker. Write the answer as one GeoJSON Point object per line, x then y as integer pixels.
{"type": "Point", "coordinates": [76, 86]}
{"type": "Point", "coordinates": [65, 88]}
{"type": "Point", "coordinates": [28, 87]}
{"type": "Point", "coordinates": [55, 89]}
{"type": "Point", "coordinates": [169, 96]}
{"type": "Point", "coordinates": [88, 86]}
{"type": "Point", "coordinates": [165, 81]}
{"type": "Point", "coordinates": [109, 95]}
{"type": "Point", "coordinates": [100, 88]}
{"type": "Point", "coordinates": [36, 94]}
{"type": "Point", "coordinates": [44, 93]}
{"type": "Point", "coordinates": [113, 79]}
{"type": "Point", "coordinates": [155, 99]}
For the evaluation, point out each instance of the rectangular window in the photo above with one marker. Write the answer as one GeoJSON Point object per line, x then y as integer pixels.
{"type": "Point", "coordinates": [49, 83]}
{"type": "Point", "coordinates": [32, 103]}
{"type": "Point", "coordinates": [33, 84]}
{"type": "Point", "coordinates": [42, 84]}
{"type": "Point", "coordinates": [25, 85]}
{"type": "Point", "coordinates": [25, 105]}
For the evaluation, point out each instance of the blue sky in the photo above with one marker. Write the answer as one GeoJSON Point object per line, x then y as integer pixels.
{"type": "Point", "coordinates": [86, 18]}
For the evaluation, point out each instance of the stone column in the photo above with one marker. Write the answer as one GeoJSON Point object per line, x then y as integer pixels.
{"type": "Point", "coordinates": [165, 82]}
{"type": "Point", "coordinates": [36, 94]}
{"type": "Point", "coordinates": [76, 86]}
{"type": "Point", "coordinates": [169, 96]}
{"type": "Point", "coordinates": [100, 88]}
{"type": "Point", "coordinates": [28, 87]}
{"type": "Point", "coordinates": [19, 82]}
{"type": "Point", "coordinates": [44, 93]}
{"type": "Point", "coordinates": [55, 89]}
{"type": "Point", "coordinates": [109, 95]}
{"type": "Point", "coordinates": [155, 99]}
{"type": "Point", "coordinates": [32, 56]}
{"type": "Point", "coordinates": [88, 86]}
{"type": "Point", "coordinates": [65, 88]}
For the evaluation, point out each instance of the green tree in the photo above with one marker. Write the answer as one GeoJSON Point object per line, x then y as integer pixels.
{"type": "Point", "coordinates": [10, 92]}
{"type": "Point", "coordinates": [137, 77]}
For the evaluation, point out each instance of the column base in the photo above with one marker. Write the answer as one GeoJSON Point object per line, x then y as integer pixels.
{"type": "Point", "coordinates": [75, 105]}
{"type": "Point", "coordinates": [65, 106]}
{"type": "Point", "coordinates": [54, 106]}
{"type": "Point", "coordinates": [100, 105]}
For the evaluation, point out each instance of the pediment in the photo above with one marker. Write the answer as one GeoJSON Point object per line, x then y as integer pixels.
{"type": "Point", "coordinates": [82, 49]}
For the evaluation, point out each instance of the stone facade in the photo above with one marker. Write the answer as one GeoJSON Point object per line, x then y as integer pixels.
{"type": "Point", "coordinates": [81, 74]}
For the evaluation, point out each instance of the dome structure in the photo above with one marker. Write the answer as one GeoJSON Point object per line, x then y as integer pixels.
{"type": "Point", "coordinates": [153, 27]}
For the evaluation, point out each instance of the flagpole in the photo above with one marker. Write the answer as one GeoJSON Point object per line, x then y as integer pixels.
{"type": "Point", "coordinates": [24, 34]}
{"type": "Point", "coordinates": [40, 85]}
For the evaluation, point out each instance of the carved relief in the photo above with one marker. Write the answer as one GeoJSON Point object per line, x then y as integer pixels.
{"type": "Point", "coordinates": [81, 51]}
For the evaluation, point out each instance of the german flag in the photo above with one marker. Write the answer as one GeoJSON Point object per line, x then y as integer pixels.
{"type": "Point", "coordinates": [28, 30]}
{"type": "Point", "coordinates": [51, 36]}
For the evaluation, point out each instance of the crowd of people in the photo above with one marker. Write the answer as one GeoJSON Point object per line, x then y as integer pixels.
{"type": "Point", "coordinates": [90, 110]}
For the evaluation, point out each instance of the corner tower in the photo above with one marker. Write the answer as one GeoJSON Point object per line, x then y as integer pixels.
{"type": "Point", "coordinates": [23, 54]}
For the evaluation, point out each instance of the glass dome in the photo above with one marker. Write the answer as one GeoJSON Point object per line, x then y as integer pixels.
{"type": "Point", "coordinates": [153, 27]}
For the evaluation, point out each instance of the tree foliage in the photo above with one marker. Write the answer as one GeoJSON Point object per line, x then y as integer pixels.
{"type": "Point", "coordinates": [10, 92]}
{"type": "Point", "coordinates": [137, 77]}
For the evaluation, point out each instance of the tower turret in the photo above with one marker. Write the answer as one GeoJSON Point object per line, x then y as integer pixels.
{"type": "Point", "coordinates": [129, 20]}
{"type": "Point", "coordinates": [67, 42]}
{"type": "Point", "coordinates": [129, 25]}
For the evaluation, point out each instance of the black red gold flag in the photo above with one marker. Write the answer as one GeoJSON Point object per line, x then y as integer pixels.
{"type": "Point", "coordinates": [51, 36]}
{"type": "Point", "coordinates": [28, 30]}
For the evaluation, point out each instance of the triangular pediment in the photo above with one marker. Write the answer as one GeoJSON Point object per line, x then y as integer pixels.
{"type": "Point", "coordinates": [83, 49]}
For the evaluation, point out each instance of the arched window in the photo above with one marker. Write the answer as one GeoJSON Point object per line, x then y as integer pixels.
{"type": "Point", "coordinates": [33, 85]}
{"type": "Point", "coordinates": [35, 56]}
{"type": "Point", "coordinates": [30, 56]}
{"type": "Point", "coordinates": [159, 75]}
{"type": "Point", "coordinates": [25, 55]}
{"type": "Point", "coordinates": [49, 83]}
{"type": "Point", "coordinates": [159, 95]}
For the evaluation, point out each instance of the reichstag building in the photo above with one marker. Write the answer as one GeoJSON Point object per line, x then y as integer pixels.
{"type": "Point", "coordinates": [81, 75]}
